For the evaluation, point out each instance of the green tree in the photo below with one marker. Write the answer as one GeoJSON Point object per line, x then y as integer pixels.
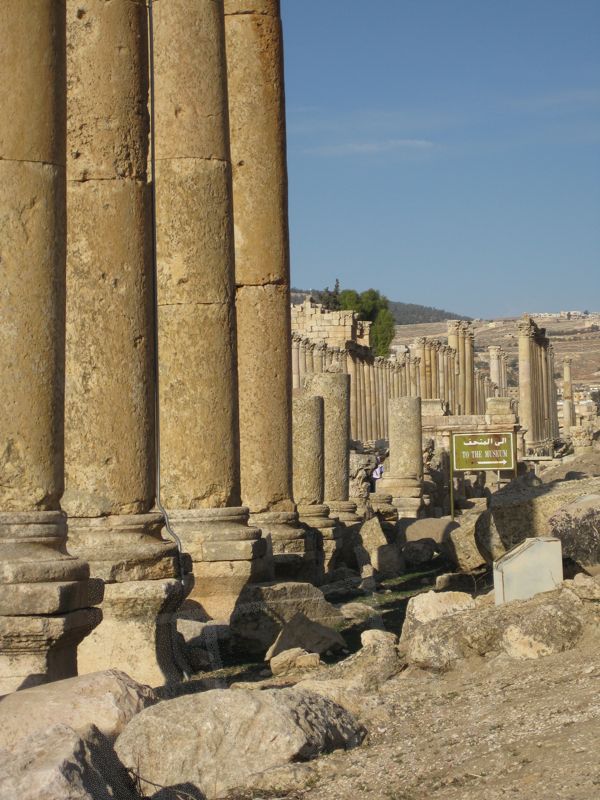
{"type": "Point", "coordinates": [382, 332]}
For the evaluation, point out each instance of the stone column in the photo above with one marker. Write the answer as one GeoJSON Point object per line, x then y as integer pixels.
{"type": "Point", "coordinates": [46, 596]}
{"type": "Point", "coordinates": [334, 388]}
{"type": "Point", "coordinates": [428, 369]}
{"type": "Point", "coordinates": [309, 477]}
{"type": "Point", "coordinates": [469, 369]}
{"type": "Point", "coordinates": [435, 368]}
{"type": "Point", "coordinates": [404, 478]}
{"type": "Point", "coordinates": [525, 377]}
{"type": "Point", "coordinates": [302, 360]}
{"type": "Point", "coordinates": [295, 361]}
{"type": "Point", "coordinates": [418, 375]}
{"type": "Point", "coordinates": [198, 387]}
{"type": "Point", "coordinates": [462, 370]}
{"type": "Point", "coordinates": [495, 364]}
{"type": "Point", "coordinates": [110, 435]}
{"type": "Point", "coordinates": [547, 434]}
{"type": "Point", "coordinates": [363, 399]}
{"type": "Point", "coordinates": [568, 408]}
{"type": "Point", "coordinates": [254, 46]}
{"type": "Point", "coordinates": [354, 396]}
{"type": "Point", "coordinates": [413, 367]}
{"type": "Point", "coordinates": [419, 351]}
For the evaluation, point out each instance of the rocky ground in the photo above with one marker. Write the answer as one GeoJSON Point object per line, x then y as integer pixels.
{"type": "Point", "coordinates": [492, 729]}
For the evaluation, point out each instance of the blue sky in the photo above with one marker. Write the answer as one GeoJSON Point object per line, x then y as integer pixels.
{"type": "Point", "coordinates": [446, 152]}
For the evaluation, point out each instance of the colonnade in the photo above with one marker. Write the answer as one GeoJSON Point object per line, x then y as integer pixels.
{"type": "Point", "coordinates": [569, 416]}
{"type": "Point", "coordinates": [81, 357]}
{"type": "Point", "coordinates": [537, 388]}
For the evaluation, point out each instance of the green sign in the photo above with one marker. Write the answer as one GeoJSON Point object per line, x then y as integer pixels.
{"type": "Point", "coordinates": [480, 451]}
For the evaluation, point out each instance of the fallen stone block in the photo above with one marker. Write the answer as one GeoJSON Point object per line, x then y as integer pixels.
{"type": "Point", "coordinates": [219, 740]}
{"type": "Point", "coordinates": [423, 608]}
{"type": "Point", "coordinates": [107, 699]}
{"type": "Point", "coordinates": [294, 660]}
{"type": "Point", "coordinates": [577, 525]}
{"type": "Point", "coordinates": [59, 764]}
{"type": "Point", "coordinates": [310, 636]}
{"type": "Point", "coordinates": [263, 609]}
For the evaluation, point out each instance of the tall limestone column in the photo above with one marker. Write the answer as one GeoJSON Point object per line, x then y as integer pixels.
{"type": "Point", "coordinates": [354, 396]}
{"type": "Point", "coordinates": [568, 407]}
{"type": "Point", "coordinates": [413, 368]}
{"type": "Point", "coordinates": [419, 351]}
{"type": "Point", "coordinates": [196, 297]}
{"type": "Point", "coordinates": [254, 46]}
{"type": "Point", "coordinates": [404, 479]}
{"type": "Point", "coordinates": [309, 482]}
{"type": "Point", "coordinates": [469, 369]}
{"type": "Point", "coordinates": [334, 388]}
{"type": "Point", "coordinates": [295, 361]}
{"type": "Point", "coordinates": [46, 596]}
{"type": "Point", "coordinates": [495, 364]}
{"type": "Point", "coordinates": [525, 376]}
{"type": "Point", "coordinates": [109, 435]}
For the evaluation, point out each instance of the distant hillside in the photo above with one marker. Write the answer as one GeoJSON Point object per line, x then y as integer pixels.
{"type": "Point", "coordinates": [413, 314]}
{"type": "Point", "coordinates": [404, 313]}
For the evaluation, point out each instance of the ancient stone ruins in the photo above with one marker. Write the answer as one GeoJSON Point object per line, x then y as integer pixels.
{"type": "Point", "coordinates": [186, 458]}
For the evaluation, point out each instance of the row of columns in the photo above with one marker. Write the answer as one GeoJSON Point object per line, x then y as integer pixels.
{"type": "Point", "coordinates": [569, 416]}
{"type": "Point", "coordinates": [81, 355]}
{"type": "Point", "coordinates": [537, 388]}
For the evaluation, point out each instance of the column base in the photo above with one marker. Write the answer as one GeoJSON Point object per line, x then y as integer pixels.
{"type": "Point", "coordinates": [143, 588]}
{"type": "Point", "coordinates": [382, 505]}
{"type": "Point", "coordinates": [46, 600]}
{"type": "Point", "coordinates": [409, 507]}
{"type": "Point", "coordinates": [329, 539]}
{"type": "Point", "coordinates": [293, 545]}
{"type": "Point", "coordinates": [226, 552]}
{"type": "Point", "coordinates": [344, 511]}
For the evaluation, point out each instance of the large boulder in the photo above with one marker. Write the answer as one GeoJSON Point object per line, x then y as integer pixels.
{"type": "Point", "coordinates": [549, 623]}
{"type": "Point", "coordinates": [59, 764]}
{"type": "Point", "coordinates": [459, 544]}
{"type": "Point", "coordinates": [577, 525]}
{"type": "Point", "coordinates": [436, 528]}
{"type": "Point", "coordinates": [263, 609]}
{"type": "Point", "coordinates": [216, 741]}
{"type": "Point", "coordinates": [384, 556]}
{"type": "Point", "coordinates": [429, 606]}
{"type": "Point", "coordinates": [521, 511]}
{"type": "Point", "coordinates": [107, 699]}
{"type": "Point", "coordinates": [311, 636]}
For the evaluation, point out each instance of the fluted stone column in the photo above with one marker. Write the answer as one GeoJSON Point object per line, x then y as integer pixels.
{"type": "Point", "coordinates": [254, 46]}
{"type": "Point", "coordinates": [364, 400]}
{"type": "Point", "coordinates": [413, 373]}
{"type": "Point", "coordinates": [295, 361]}
{"type": "Point", "coordinates": [46, 596]}
{"type": "Point", "coordinates": [419, 351]}
{"type": "Point", "coordinates": [309, 482]}
{"type": "Point", "coordinates": [334, 388]}
{"type": "Point", "coordinates": [495, 364]}
{"type": "Point", "coordinates": [525, 377]}
{"type": "Point", "coordinates": [469, 369]}
{"type": "Point", "coordinates": [568, 407]}
{"type": "Point", "coordinates": [198, 387]}
{"type": "Point", "coordinates": [462, 370]}
{"type": "Point", "coordinates": [109, 435]}
{"type": "Point", "coordinates": [404, 478]}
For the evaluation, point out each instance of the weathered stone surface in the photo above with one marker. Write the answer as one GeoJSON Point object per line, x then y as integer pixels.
{"type": "Point", "coordinates": [294, 660]}
{"type": "Point", "coordinates": [265, 401]}
{"type": "Point", "coordinates": [61, 764]}
{"type": "Point", "coordinates": [308, 449]}
{"type": "Point", "coordinates": [112, 142]}
{"type": "Point", "coordinates": [109, 400]}
{"type": "Point", "coordinates": [418, 553]}
{"type": "Point", "coordinates": [577, 525]}
{"type": "Point", "coordinates": [229, 735]}
{"type": "Point", "coordinates": [310, 636]}
{"type": "Point", "coordinates": [459, 544]}
{"type": "Point", "coordinates": [521, 511]}
{"type": "Point", "coordinates": [385, 558]}
{"type": "Point", "coordinates": [411, 530]}
{"type": "Point", "coordinates": [428, 606]}
{"type": "Point", "coordinates": [549, 623]}
{"type": "Point", "coordinates": [348, 682]}
{"type": "Point", "coordinates": [31, 314]}
{"type": "Point", "coordinates": [335, 391]}
{"type": "Point", "coordinates": [107, 700]}
{"type": "Point", "coordinates": [263, 610]}
{"type": "Point", "coordinates": [358, 612]}
{"type": "Point", "coordinates": [405, 469]}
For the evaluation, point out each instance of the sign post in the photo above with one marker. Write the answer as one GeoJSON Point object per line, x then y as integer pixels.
{"type": "Point", "coordinates": [477, 452]}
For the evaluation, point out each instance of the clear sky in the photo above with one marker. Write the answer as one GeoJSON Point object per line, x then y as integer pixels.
{"type": "Point", "coordinates": [446, 152]}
